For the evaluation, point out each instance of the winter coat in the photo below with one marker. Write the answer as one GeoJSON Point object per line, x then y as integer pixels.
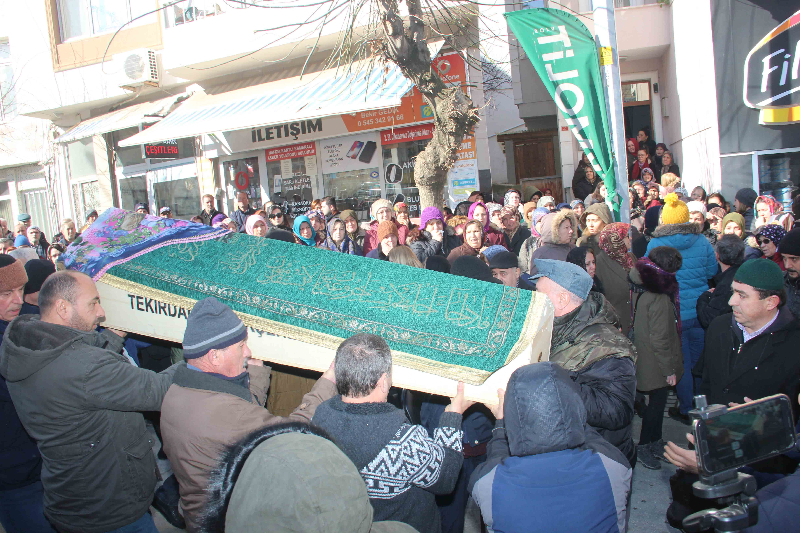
{"type": "Point", "coordinates": [377, 253]}
{"type": "Point", "coordinates": [402, 466]}
{"type": "Point", "coordinates": [699, 262]}
{"type": "Point", "coordinates": [425, 246]}
{"type": "Point", "coordinates": [79, 398]}
{"type": "Point", "coordinates": [581, 187]}
{"type": "Point", "coordinates": [767, 364]}
{"type": "Point", "coordinates": [464, 249]}
{"type": "Point", "coordinates": [604, 213]}
{"type": "Point", "coordinates": [518, 240]}
{"type": "Point", "coordinates": [792, 287]}
{"type": "Point", "coordinates": [371, 236]}
{"type": "Point", "coordinates": [41, 247]}
{"type": "Point", "coordinates": [710, 305]}
{"type": "Point", "coordinates": [495, 237]}
{"type": "Point", "coordinates": [208, 217]}
{"type": "Point", "coordinates": [551, 247]}
{"type": "Point", "coordinates": [588, 344]}
{"type": "Point", "coordinates": [202, 414]}
{"type": "Point", "coordinates": [240, 217]}
{"type": "Point", "coordinates": [20, 461]}
{"type": "Point", "coordinates": [672, 169]}
{"type": "Point", "coordinates": [525, 255]}
{"type": "Point", "coordinates": [528, 475]}
{"type": "Point", "coordinates": [616, 288]}
{"type": "Point", "coordinates": [655, 329]}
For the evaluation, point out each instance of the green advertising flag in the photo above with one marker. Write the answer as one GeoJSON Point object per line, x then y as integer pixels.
{"type": "Point", "coordinates": [564, 54]}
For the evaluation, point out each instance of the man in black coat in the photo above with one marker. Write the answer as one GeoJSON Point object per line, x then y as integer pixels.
{"type": "Point", "coordinates": [714, 302]}
{"type": "Point", "coordinates": [209, 212]}
{"type": "Point", "coordinates": [752, 352]}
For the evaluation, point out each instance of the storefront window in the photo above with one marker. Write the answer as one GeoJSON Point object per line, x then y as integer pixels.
{"type": "Point", "coordinates": [404, 155]}
{"type": "Point", "coordinates": [81, 158]}
{"type": "Point", "coordinates": [354, 189]}
{"type": "Point", "coordinates": [133, 190]}
{"type": "Point", "coordinates": [779, 176]}
{"type": "Point", "coordinates": [178, 188]}
{"type": "Point", "coordinates": [243, 175]}
{"type": "Point", "coordinates": [129, 155]}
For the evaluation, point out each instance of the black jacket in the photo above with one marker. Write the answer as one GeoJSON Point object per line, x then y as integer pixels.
{"type": "Point", "coordinates": [581, 188]}
{"type": "Point", "coordinates": [792, 287]}
{"type": "Point", "coordinates": [710, 305]}
{"type": "Point", "coordinates": [78, 398]}
{"type": "Point", "coordinates": [767, 364]}
{"type": "Point", "coordinates": [425, 246]}
{"type": "Point", "coordinates": [208, 217]}
{"type": "Point", "coordinates": [519, 238]}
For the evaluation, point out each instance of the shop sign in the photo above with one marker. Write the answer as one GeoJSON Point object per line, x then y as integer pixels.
{"type": "Point", "coordinates": [297, 190]}
{"type": "Point", "coordinates": [352, 152]}
{"type": "Point", "coordinates": [407, 134]}
{"type": "Point", "coordinates": [164, 150]}
{"type": "Point", "coordinates": [772, 73]}
{"type": "Point", "coordinates": [291, 151]}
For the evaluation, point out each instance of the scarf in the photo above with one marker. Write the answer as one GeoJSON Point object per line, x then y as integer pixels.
{"type": "Point", "coordinates": [472, 211]}
{"type": "Point", "coordinates": [251, 222]}
{"type": "Point", "coordinates": [296, 229]}
{"type": "Point", "coordinates": [612, 242]}
{"type": "Point", "coordinates": [347, 245]}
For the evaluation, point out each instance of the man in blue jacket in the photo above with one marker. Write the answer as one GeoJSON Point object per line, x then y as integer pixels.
{"type": "Point", "coordinates": [547, 470]}
{"type": "Point", "coordinates": [20, 463]}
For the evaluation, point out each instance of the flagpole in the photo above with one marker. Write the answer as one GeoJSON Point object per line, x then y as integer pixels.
{"type": "Point", "coordinates": [605, 34]}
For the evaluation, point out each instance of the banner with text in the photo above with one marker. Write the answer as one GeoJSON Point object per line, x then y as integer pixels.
{"type": "Point", "coordinates": [564, 54]}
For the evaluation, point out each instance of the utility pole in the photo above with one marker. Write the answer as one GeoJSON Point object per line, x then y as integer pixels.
{"type": "Point", "coordinates": [605, 35]}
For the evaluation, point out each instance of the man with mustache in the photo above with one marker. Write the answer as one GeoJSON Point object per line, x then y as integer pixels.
{"type": "Point", "coordinates": [790, 250]}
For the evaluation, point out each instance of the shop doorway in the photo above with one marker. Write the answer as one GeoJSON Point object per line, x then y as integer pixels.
{"type": "Point", "coordinates": [637, 107]}
{"type": "Point", "coordinates": [534, 153]}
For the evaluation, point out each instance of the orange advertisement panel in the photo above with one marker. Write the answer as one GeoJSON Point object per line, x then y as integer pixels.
{"type": "Point", "coordinates": [412, 108]}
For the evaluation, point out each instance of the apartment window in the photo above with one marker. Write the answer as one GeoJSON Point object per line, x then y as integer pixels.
{"type": "Point", "coordinates": [84, 18]}
{"type": "Point", "coordinates": [81, 158]}
{"type": "Point", "coordinates": [8, 106]}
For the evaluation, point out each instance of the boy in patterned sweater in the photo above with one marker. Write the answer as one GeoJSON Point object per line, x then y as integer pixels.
{"type": "Point", "coordinates": [402, 466]}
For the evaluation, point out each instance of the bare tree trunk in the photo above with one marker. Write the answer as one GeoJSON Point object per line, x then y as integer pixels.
{"type": "Point", "coordinates": [453, 112]}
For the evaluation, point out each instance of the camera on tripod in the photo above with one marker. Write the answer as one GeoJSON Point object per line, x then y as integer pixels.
{"type": "Point", "coordinates": [727, 439]}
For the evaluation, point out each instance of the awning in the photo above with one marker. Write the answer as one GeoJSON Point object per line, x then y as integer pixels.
{"type": "Point", "coordinates": [361, 86]}
{"type": "Point", "coordinates": [128, 117]}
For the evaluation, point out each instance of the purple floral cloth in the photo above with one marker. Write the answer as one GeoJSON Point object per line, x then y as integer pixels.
{"type": "Point", "coordinates": [118, 236]}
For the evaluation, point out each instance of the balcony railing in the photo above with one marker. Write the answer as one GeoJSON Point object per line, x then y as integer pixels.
{"type": "Point", "coordinates": [194, 10]}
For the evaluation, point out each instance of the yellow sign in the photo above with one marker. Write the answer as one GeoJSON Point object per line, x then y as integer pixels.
{"type": "Point", "coordinates": [606, 58]}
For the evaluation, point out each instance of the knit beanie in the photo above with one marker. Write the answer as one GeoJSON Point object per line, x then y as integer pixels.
{"type": "Point", "coordinates": [348, 213]}
{"type": "Point", "coordinates": [386, 228]}
{"type": "Point", "coordinates": [428, 214]}
{"type": "Point", "coordinates": [12, 273]}
{"type": "Point", "coordinates": [746, 196]}
{"type": "Point", "coordinates": [694, 205]}
{"type": "Point", "coordinates": [674, 211]}
{"type": "Point", "coordinates": [379, 204]}
{"type": "Point", "coordinates": [790, 244]}
{"type": "Point", "coordinates": [212, 325]}
{"type": "Point", "coordinates": [538, 214]}
{"type": "Point", "coordinates": [21, 240]}
{"type": "Point", "coordinates": [734, 217]}
{"type": "Point", "coordinates": [37, 271]}
{"type": "Point", "coordinates": [761, 274]}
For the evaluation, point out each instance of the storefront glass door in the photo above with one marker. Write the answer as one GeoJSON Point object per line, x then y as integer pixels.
{"type": "Point", "coordinates": [178, 188]}
{"type": "Point", "coordinates": [243, 175]}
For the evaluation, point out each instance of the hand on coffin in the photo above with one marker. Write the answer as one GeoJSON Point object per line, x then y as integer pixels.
{"type": "Point", "coordinates": [330, 374]}
{"type": "Point", "coordinates": [458, 404]}
{"type": "Point", "coordinates": [497, 409]}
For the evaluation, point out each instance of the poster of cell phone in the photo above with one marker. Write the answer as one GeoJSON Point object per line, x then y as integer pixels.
{"type": "Point", "coordinates": [353, 152]}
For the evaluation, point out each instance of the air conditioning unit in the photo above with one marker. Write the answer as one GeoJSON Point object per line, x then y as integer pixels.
{"type": "Point", "coordinates": [137, 68]}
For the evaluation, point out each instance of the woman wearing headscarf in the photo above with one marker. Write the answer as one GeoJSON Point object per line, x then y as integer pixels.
{"type": "Point", "coordinates": [765, 206]}
{"type": "Point", "coordinates": [632, 147]}
{"type": "Point", "coordinates": [734, 224]}
{"type": "Point", "coordinates": [402, 216]}
{"type": "Point", "coordinates": [473, 242]}
{"type": "Point", "coordinates": [304, 232]}
{"type": "Point", "coordinates": [557, 231]}
{"type": "Point", "coordinates": [338, 240]}
{"type": "Point", "coordinates": [351, 226]}
{"type": "Point", "coordinates": [668, 166]}
{"type": "Point", "coordinates": [657, 160]}
{"type": "Point", "coordinates": [317, 219]}
{"type": "Point", "coordinates": [584, 182]}
{"type": "Point", "coordinates": [256, 226]}
{"type": "Point", "coordinates": [583, 256]}
{"type": "Point", "coordinates": [532, 242]}
{"type": "Point", "coordinates": [614, 261]}
{"type": "Point", "coordinates": [478, 211]}
{"type": "Point", "coordinates": [769, 237]}
{"type": "Point", "coordinates": [381, 210]}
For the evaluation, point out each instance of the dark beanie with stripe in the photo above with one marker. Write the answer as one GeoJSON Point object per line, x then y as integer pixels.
{"type": "Point", "coordinates": [212, 325]}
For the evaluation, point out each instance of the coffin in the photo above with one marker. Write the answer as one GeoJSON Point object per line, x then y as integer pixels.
{"type": "Point", "coordinates": [299, 302]}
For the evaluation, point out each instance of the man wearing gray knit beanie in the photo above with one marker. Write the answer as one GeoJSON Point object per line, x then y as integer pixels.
{"type": "Point", "coordinates": [218, 397]}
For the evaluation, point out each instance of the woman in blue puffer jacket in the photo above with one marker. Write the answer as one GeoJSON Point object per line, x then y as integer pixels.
{"type": "Point", "coordinates": [699, 265]}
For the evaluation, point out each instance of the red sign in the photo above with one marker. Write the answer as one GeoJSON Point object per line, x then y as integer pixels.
{"type": "Point", "coordinates": [165, 150]}
{"type": "Point", "coordinates": [409, 133]}
{"type": "Point", "coordinates": [290, 152]}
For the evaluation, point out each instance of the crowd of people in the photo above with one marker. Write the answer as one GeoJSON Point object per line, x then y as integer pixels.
{"type": "Point", "coordinates": [694, 295]}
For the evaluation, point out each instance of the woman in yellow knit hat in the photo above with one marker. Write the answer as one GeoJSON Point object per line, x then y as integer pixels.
{"type": "Point", "coordinates": [699, 265]}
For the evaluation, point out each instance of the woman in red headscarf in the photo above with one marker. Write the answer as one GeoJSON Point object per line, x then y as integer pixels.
{"type": "Point", "coordinates": [613, 264]}
{"type": "Point", "coordinates": [632, 147]}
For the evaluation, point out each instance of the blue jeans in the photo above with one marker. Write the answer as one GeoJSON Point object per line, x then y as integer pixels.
{"type": "Point", "coordinates": [693, 338]}
{"type": "Point", "coordinates": [144, 525]}
{"type": "Point", "coordinates": [21, 510]}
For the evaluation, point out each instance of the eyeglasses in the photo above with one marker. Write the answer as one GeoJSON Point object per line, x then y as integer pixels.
{"type": "Point", "coordinates": [276, 215]}
{"type": "Point", "coordinates": [763, 240]}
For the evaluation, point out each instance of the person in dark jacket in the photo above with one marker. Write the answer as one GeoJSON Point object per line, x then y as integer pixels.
{"type": "Point", "coordinates": [38, 270]}
{"type": "Point", "coordinates": [38, 242]}
{"type": "Point", "coordinates": [744, 203]}
{"type": "Point", "coordinates": [752, 352]}
{"type": "Point", "coordinates": [587, 343]}
{"type": "Point", "coordinates": [547, 470]}
{"type": "Point", "coordinates": [505, 268]}
{"type": "Point", "coordinates": [242, 212]}
{"type": "Point", "coordinates": [387, 240]}
{"type": "Point", "coordinates": [516, 234]}
{"type": "Point", "coordinates": [657, 338]}
{"type": "Point", "coordinates": [21, 490]}
{"type": "Point", "coordinates": [558, 237]}
{"type": "Point", "coordinates": [714, 302]}
{"type": "Point", "coordinates": [80, 398]}
{"type": "Point", "coordinates": [614, 262]}
{"type": "Point", "coordinates": [584, 182]}
{"type": "Point", "coordinates": [790, 250]}
{"type": "Point", "coordinates": [584, 258]}
{"type": "Point", "coordinates": [402, 466]}
{"type": "Point", "coordinates": [209, 211]}
{"type": "Point", "coordinates": [434, 239]}
{"type": "Point", "coordinates": [668, 166]}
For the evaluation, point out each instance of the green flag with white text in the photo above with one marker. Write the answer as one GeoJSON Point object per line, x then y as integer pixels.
{"type": "Point", "coordinates": [564, 54]}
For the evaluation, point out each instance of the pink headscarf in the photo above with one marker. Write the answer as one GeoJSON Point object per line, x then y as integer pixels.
{"type": "Point", "coordinates": [251, 222]}
{"type": "Point", "coordinates": [472, 211]}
